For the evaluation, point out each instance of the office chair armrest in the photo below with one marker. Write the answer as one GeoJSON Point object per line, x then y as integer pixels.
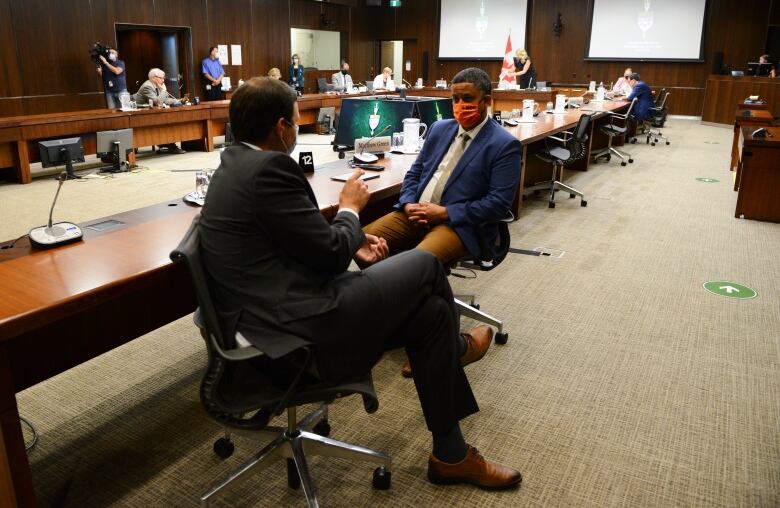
{"type": "Point", "coordinates": [237, 354]}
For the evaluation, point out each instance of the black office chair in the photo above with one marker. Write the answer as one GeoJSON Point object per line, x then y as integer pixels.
{"type": "Point", "coordinates": [241, 381]}
{"type": "Point", "coordinates": [612, 130]}
{"type": "Point", "coordinates": [575, 146]}
{"type": "Point", "coordinates": [489, 258]}
{"type": "Point", "coordinates": [657, 120]}
{"type": "Point", "coordinates": [323, 85]}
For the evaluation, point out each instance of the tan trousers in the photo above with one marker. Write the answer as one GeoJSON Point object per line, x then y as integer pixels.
{"type": "Point", "coordinates": [442, 241]}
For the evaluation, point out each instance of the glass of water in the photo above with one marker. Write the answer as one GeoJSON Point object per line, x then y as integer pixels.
{"type": "Point", "coordinates": [398, 140]}
{"type": "Point", "coordinates": [201, 184]}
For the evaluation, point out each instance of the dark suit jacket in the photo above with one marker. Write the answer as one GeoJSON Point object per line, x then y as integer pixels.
{"type": "Point", "coordinates": [270, 253]}
{"type": "Point", "coordinates": [644, 100]}
{"type": "Point", "coordinates": [482, 186]}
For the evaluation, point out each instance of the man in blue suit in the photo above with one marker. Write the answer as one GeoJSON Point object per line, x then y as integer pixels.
{"type": "Point", "coordinates": [466, 175]}
{"type": "Point", "coordinates": [643, 95]}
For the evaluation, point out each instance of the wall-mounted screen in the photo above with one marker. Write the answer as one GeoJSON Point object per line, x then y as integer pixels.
{"type": "Point", "coordinates": [478, 29]}
{"type": "Point", "coordinates": [316, 48]}
{"type": "Point", "coordinates": [644, 30]}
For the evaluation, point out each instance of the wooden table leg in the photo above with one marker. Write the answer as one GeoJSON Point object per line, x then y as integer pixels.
{"type": "Point", "coordinates": [22, 162]}
{"type": "Point", "coordinates": [16, 486]}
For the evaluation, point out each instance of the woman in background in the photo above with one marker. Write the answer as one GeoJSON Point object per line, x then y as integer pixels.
{"type": "Point", "coordinates": [296, 74]}
{"type": "Point", "coordinates": [384, 81]}
{"type": "Point", "coordinates": [622, 86]}
{"type": "Point", "coordinates": [275, 73]}
{"type": "Point", "coordinates": [524, 69]}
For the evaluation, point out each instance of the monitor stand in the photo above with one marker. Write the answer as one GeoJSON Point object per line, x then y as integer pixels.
{"type": "Point", "coordinates": [119, 166]}
{"type": "Point", "coordinates": [65, 157]}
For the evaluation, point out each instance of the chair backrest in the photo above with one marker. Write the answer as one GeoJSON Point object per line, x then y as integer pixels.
{"type": "Point", "coordinates": [578, 143]}
{"type": "Point", "coordinates": [490, 255]}
{"type": "Point", "coordinates": [541, 84]}
{"type": "Point", "coordinates": [663, 100]}
{"type": "Point", "coordinates": [322, 85]}
{"type": "Point", "coordinates": [660, 96]}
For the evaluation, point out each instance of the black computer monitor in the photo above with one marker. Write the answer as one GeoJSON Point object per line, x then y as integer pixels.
{"type": "Point", "coordinates": [55, 152]}
{"type": "Point", "coordinates": [433, 110]}
{"type": "Point", "coordinates": [759, 69]}
{"type": "Point", "coordinates": [117, 143]}
{"type": "Point", "coordinates": [355, 119]}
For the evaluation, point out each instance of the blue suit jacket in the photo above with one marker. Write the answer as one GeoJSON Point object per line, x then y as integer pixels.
{"type": "Point", "coordinates": [644, 100]}
{"type": "Point", "coordinates": [482, 186]}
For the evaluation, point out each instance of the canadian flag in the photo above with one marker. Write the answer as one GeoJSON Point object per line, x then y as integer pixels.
{"type": "Point", "coordinates": [509, 63]}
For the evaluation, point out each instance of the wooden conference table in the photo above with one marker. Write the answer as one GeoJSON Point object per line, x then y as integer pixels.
{"type": "Point", "coordinates": [65, 306]}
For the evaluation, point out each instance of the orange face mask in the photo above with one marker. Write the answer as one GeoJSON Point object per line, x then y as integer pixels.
{"type": "Point", "coordinates": [466, 114]}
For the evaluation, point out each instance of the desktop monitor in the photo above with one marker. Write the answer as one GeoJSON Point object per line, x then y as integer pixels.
{"type": "Point", "coordinates": [759, 69]}
{"type": "Point", "coordinates": [326, 116]}
{"type": "Point", "coordinates": [433, 110]}
{"type": "Point", "coordinates": [119, 143]}
{"type": "Point", "coordinates": [366, 117]}
{"type": "Point", "coordinates": [61, 151]}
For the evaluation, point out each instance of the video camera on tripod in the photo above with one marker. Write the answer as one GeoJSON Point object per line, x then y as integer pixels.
{"type": "Point", "coordinates": [98, 50]}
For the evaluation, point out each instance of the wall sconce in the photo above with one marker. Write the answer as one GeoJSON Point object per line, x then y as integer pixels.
{"type": "Point", "coordinates": [558, 26]}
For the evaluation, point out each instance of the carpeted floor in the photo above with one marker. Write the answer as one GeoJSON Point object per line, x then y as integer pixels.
{"type": "Point", "coordinates": [624, 383]}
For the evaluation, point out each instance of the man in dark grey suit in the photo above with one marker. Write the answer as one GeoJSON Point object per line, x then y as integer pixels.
{"type": "Point", "coordinates": [280, 278]}
{"type": "Point", "coordinates": [153, 92]}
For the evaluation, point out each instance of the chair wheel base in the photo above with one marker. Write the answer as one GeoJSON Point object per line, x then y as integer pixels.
{"type": "Point", "coordinates": [224, 447]}
{"type": "Point", "coordinates": [630, 161]}
{"type": "Point", "coordinates": [293, 480]}
{"type": "Point", "coordinates": [501, 337]}
{"type": "Point", "coordinates": [623, 163]}
{"type": "Point", "coordinates": [551, 204]}
{"type": "Point", "coordinates": [668, 143]}
{"type": "Point", "coordinates": [475, 305]}
{"type": "Point", "coordinates": [382, 479]}
{"type": "Point", "coordinates": [322, 428]}
{"type": "Point", "coordinates": [583, 203]}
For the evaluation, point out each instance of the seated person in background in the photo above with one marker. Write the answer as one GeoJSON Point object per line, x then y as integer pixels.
{"type": "Point", "coordinates": [342, 81]}
{"type": "Point", "coordinates": [764, 59]}
{"type": "Point", "coordinates": [384, 81]}
{"type": "Point", "coordinates": [622, 87]}
{"type": "Point", "coordinates": [465, 175]}
{"type": "Point", "coordinates": [279, 273]}
{"type": "Point", "coordinates": [154, 91]}
{"type": "Point", "coordinates": [275, 73]}
{"type": "Point", "coordinates": [524, 68]}
{"type": "Point", "coordinates": [643, 95]}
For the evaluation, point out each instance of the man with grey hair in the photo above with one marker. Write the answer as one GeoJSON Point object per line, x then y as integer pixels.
{"type": "Point", "coordinates": [154, 92]}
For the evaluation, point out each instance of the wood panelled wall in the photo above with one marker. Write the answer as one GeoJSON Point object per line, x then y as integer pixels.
{"type": "Point", "coordinates": [46, 68]}
{"type": "Point", "coordinates": [44, 44]}
{"type": "Point", "coordinates": [738, 28]}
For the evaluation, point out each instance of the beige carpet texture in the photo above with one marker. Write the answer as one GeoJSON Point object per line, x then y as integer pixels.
{"type": "Point", "coordinates": [624, 382]}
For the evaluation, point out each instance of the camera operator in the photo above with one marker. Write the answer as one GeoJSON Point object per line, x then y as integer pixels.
{"type": "Point", "coordinates": [114, 80]}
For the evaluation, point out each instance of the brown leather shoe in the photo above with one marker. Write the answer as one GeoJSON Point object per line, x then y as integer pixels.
{"type": "Point", "coordinates": [477, 343]}
{"type": "Point", "coordinates": [406, 370]}
{"type": "Point", "coordinates": [473, 469]}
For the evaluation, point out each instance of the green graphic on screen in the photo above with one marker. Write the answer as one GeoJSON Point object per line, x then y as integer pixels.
{"type": "Point", "coordinates": [361, 118]}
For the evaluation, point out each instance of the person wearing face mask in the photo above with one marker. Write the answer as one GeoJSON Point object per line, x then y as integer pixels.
{"type": "Point", "coordinates": [466, 175]}
{"type": "Point", "coordinates": [384, 82]}
{"type": "Point", "coordinates": [112, 70]}
{"type": "Point", "coordinates": [153, 91]}
{"type": "Point", "coordinates": [342, 81]}
{"type": "Point", "coordinates": [280, 277]}
{"type": "Point", "coordinates": [622, 85]}
{"type": "Point", "coordinates": [212, 74]}
{"type": "Point", "coordinates": [296, 74]}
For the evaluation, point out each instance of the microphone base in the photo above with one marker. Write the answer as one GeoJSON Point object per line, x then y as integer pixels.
{"type": "Point", "coordinates": [45, 237]}
{"type": "Point", "coordinates": [365, 158]}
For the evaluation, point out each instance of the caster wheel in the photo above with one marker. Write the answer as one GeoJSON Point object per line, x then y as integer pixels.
{"type": "Point", "coordinates": [322, 428]}
{"type": "Point", "coordinates": [623, 163]}
{"type": "Point", "coordinates": [551, 204]}
{"type": "Point", "coordinates": [630, 161]}
{"type": "Point", "coordinates": [652, 144]}
{"type": "Point", "coordinates": [609, 158]}
{"type": "Point", "coordinates": [341, 155]}
{"type": "Point", "coordinates": [475, 305]}
{"type": "Point", "coordinates": [667, 143]}
{"type": "Point", "coordinates": [633, 141]}
{"type": "Point", "coordinates": [381, 480]}
{"type": "Point", "coordinates": [501, 338]}
{"type": "Point", "coordinates": [583, 203]}
{"type": "Point", "coordinates": [224, 447]}
{"type": "Point", "coordinates": [572, 196]}
{"type": "Point", "coordinates": [293, 480]}
{"type": "Point", "coordinates": [656, 140]}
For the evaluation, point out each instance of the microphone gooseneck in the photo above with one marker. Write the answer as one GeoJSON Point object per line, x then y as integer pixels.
{"type": "Point", "coordinates": [61, 178]}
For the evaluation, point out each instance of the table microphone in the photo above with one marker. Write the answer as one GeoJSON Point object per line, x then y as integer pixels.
{"type": "Point", "coordinates": [407, 83]}
{"type": "Point", "coordinates": [52, 235]}
{"type": "Point", "coordinates": [370, 158]}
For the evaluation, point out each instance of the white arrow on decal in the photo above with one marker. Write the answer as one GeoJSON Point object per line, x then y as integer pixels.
{"type": "Point", "coordinates": [729, 289]}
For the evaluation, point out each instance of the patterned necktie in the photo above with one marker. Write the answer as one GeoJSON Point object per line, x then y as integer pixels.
{"type": "Point", "coordinates": [445, 173]}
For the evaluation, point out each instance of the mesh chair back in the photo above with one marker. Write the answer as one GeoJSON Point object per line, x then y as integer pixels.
{"type": "Point", "coordinates": [322, 85]}
{"type": "Point", "coordinates": [578, 143]}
